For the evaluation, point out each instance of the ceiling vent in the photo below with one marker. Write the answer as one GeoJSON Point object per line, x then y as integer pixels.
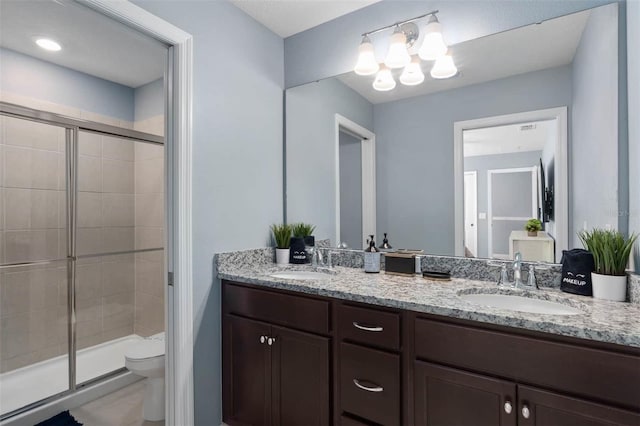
{"type": "Point", "coordinates": [526, 127]}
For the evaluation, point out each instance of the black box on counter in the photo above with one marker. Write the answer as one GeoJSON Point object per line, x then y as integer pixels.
{"type": "Point", "coordinates": [401, 262]}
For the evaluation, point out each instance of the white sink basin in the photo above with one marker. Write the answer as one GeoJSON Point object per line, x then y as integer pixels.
{"type": "Point", "coordinates": [521, 304]}
{"type": "Point", "coordinates": [301, 275]}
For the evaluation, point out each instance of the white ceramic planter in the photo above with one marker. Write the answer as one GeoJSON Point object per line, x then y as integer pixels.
{"type": "Point", "coordinates": [282, 256]}
{"type": "Point", "coordinates": [609, 287]}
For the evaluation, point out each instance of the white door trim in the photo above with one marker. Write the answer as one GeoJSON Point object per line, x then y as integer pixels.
{"type": "Point", "coordinates": [178, 297]}
{"type": "Point", "coordinates": [561, 175]}
{"type": "Point", "coordinates": [368, 149]}
{"type": "Point", "coordinates": [474, 248]}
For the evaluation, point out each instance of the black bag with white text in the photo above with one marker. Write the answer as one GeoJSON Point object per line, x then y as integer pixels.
{"type": "Point", "coordinates": [577, 266]}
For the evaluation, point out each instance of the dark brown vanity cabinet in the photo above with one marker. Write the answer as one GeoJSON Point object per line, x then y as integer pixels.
{"type": "Point", "coordinates": [369, 364]}
{"type": "Point", "coordinates": [272, 375]}
{"type": "Point", "coordinates": [297, 360]}
{"type": "Point", "coordinates": [467, 375]}
{"type": "Point", "coordinates": [450, 397]}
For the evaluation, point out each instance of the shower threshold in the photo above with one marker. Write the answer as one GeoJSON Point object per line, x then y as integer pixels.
{"type": "Point", "coordinates": [41, 380]}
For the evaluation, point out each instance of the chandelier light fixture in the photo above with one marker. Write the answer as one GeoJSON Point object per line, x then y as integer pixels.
{"type": "Point", "coordinates": [401, 44]}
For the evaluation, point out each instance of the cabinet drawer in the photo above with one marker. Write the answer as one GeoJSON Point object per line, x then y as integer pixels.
{"type": "Point", "coordinates": [297, 312]}
{"type": "Point", "coordinates": [599, 374]}
{"type": "Point", "coordinates": [370, 384]}
{"type": "Point", "coordinates": [370, 326]}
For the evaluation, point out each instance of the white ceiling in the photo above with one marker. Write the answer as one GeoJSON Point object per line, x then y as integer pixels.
{"type": "Point", "coordinates": [91, 43]}
{"type": "Point", "coordinates": [534, 47]}
{"type": "Point", "coordinates": [289, 17]}
{"type": "Point", "coordinates": [507, 139]}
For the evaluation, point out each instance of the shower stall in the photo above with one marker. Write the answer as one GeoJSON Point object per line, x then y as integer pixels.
{"type": "Point", "coordinates": [81, 252]}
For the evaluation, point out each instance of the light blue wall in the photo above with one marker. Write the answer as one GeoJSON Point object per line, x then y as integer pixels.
{"type": "Point", "coordinates": [594, 153]}
{"type": "Point", "coordinates": [633, 67]}
{"type": "Point", "coordinates": [482, 164]}
{"type": "Point", "coordinates": [351, 191]}
{"type": "Point", "coordinates": [238, 77]}
{"type": "Point", "coordinates": [414, 151]}
{"type": "Point", "coordinates": [149, 100]}
{"type": "Point", "coordinates": [27, 76]}
{"type": "Point", "coordinates": [311, 145]}
{"type": "Point", "coordinates": [331, 49]}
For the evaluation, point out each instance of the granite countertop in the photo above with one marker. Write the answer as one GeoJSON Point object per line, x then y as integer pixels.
{"type": "Point", "coordinates": [603, 321]}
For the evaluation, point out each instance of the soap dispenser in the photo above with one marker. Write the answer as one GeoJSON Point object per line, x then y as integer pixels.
{"type": "Point", "coordinates": [385, 243]}
{"type": "Point", "coordinates": [371, 257]}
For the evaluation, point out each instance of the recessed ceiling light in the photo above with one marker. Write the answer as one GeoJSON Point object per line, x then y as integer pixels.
{"type": "Point", "coordinates": [48, 44]}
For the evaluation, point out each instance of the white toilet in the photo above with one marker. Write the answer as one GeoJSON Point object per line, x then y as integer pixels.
{"type": "Point", "coordinates": [146, 358]}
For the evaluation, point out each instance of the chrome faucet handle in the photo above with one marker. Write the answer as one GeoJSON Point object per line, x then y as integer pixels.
{"type": "Point", "coordinates": [503, 278]}
{"type": "Point", "coordinates": [531, 279]}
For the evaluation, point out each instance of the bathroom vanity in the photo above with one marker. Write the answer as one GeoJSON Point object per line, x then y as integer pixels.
{"type": "Point", "coordinates": [376, 349]}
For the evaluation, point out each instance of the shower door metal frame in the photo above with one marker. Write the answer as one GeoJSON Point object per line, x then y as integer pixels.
{"type": "Point", "coordinates": [72, 128]}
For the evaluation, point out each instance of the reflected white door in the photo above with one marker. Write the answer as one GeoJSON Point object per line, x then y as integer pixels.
{"type": "Point", "coordinates": [471, 213]}
{"type": "Point", "coordinates": [513, 200]}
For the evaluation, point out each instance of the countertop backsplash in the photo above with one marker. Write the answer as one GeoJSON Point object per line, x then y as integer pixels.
{"type": "Point", "coordinates": [459, 267]}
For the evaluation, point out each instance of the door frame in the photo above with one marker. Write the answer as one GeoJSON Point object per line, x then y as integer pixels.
{"type": "Point", "coordinates": [368, 150]}
{"type": "Point", "coordinates": [474, 173]}
{"type": "Point", "coordinates": [561, 175]}
{"type": "Point", "coordinates": [178, 180]}
{"type": "Point", "coordinates": [534, 201]}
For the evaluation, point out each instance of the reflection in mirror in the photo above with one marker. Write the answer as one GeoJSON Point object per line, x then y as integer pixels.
{"type": "Point", "coordinates": [558, 78]}
{"type": "Point", "coordinates": [504, 168]}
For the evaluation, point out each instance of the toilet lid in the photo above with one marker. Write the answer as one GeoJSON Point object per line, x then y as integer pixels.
{"type": "Point", "coordinates": [147, 348]}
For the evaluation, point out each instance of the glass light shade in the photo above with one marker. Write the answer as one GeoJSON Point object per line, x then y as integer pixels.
{"type": "Point", "coordinates": [367, 64]}
{"type": "Point", "coordinates": [412, 74]}
{"type": "Point", "coordinates": [433, 45]}
{"type": "Point", "coordinates": [48, 44]}
{"type": "Point", "coordinates": [444, 67]}
{"type": "Point", "coordinates": [397, 56]}
{"type": "Point", "coordinates": [384, 80]}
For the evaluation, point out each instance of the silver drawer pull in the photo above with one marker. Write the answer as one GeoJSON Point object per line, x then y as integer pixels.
{"type": "Point", "coordinates": [367, 328]}
{"type": "Point", "coordinates": [367, 388]}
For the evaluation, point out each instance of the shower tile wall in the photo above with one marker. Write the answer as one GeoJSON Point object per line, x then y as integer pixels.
{"type": "Point", "coordinates": [120, 189]}
{"type": "Point", "coordinates": [149, 222]}
{"type": "Point", "coordinates": [105, 285]}
{"type": "Point", "coordinates": [33, 314]}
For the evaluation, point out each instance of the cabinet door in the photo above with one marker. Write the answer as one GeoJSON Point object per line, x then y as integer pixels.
{"type": "Point", "coordinates": [300, 390]}
{"type": "Point", "coordinates": [448, 397]}
{"type": "Point", "coordinates": [542, 408]}
{"type": "Point", "coordinates": [246, 367]}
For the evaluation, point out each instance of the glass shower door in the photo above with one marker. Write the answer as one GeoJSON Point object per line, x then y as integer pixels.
{"type": "Point", "coordinates": [34, 270]}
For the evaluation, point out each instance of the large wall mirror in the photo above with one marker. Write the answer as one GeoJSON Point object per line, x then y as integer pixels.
{"type": "Point", "coordinates": [528, 128]}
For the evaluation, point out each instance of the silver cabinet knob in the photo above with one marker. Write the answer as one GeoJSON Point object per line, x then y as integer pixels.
{"type": "Point", "coordinates": [508, 408]}
{"type": "Point", "coordinates": [263, 339]}
{"type": "Point", "coordinates": [271, 341]}
{"type": "Point", "coordinates": [526, 413]}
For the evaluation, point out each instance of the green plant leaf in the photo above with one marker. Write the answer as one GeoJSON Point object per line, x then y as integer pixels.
{"type": "Point", "coordinates": [610, 250]}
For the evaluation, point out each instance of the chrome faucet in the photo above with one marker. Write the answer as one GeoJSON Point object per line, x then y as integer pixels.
{"type": "Point", "coordinates": [517, 270]}
{"type": "Point", "coordinates": [316, 257]}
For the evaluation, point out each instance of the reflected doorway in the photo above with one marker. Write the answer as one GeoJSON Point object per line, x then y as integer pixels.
{"type": "Point", "coordinates": [355, 183]}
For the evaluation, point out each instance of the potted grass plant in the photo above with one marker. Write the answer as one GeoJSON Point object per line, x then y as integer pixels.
{"type": "Point", "coordinates": [611, 252]}
{"type": "Point", "coordinates": [532, 227]}
{"type": "Point", "coordinates": [305, 231]}
{"type": "Point", "coordinates": [282, 237]}
{"type": "Point", "coordinates": [300, 240]}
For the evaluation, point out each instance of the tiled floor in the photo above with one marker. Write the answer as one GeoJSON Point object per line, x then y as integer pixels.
{"type": "Point", "coordinates": [122, 408]}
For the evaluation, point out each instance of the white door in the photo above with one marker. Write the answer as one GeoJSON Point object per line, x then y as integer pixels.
{"type": "Point", "coordinates": [471, 213]}
{"type": "Point", "coordinates": [513, 200]}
